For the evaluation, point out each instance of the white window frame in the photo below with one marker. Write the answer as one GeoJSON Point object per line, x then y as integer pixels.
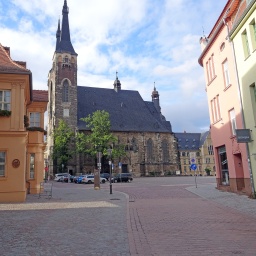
{"type": "Point", "coordinates": [5, 100]}
{"type": "Point", "coordinates": [2, 163]}
{"type": "Point", "coordinates": [232, 116]}
{"type": "Point", "coordinates": [226, 73]}
{"type": "Point", "coordinates": [34, 119]}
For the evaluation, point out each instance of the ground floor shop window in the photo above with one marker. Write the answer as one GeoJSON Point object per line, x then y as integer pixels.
{"type": "Point", "coordinates": [223, 163]}
{"type": "Point", "coordinates": [2, 163]}
{"type": "Point", "coordinates": [32, 166]}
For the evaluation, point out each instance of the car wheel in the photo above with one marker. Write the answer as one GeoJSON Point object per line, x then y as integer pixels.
{"type": "Point", "coordinates": [89, 181]}
{"type": "Point", "coordinates": [103, 181]}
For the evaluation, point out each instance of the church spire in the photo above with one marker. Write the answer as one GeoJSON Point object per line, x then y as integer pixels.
{"type": "Point", "coordinates": [64, 44]}
{"type": "Point", "coordinates": [58, 36]}
{"type": "Point", "coordinates": [155, 99]}
{"type": "Point", "coordinates": [117, 84]}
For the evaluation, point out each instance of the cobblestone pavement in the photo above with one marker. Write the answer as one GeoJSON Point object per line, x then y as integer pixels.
{"type": "Point", "coordinates": [167, 219]}
{"type": "Point", "coordinates": [149, 216]}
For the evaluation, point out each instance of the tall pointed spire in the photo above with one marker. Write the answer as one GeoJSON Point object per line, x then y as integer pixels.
{"type": "Point", "coordinates": [64, 44]}
{"type": "Point", "coordinates": [58, 36]}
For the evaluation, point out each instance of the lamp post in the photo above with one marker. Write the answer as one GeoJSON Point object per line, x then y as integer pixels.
{"type": "Point", "coordinates": [110, 170]}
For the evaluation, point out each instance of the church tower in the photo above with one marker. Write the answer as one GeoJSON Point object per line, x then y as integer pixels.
{"type": "Point", "coordinates": [62, 80]}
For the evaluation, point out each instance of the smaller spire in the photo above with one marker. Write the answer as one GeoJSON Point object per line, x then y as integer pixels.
{"type": "Point", "coordinates": [154, 86]}
{"type": "Point", "coordinates": [58, 35]}
{"type": "Point", "coordinates": [117, 84]}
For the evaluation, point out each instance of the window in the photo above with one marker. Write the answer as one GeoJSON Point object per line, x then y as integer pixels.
{"type": "Point", "coordinates": [150, 150]}
{"type": "Point", "coordinates": [210, 150]}
{"type": "Point", "coordinates": [226, 73]}
{"type": "Point", "coordinates": [184, 161]}
{"type": "Point", "coordinates": [65, 112]}
{"type": "Point", "coordinates": [5, 100]}
{"type": "Point", "coordinates": [66, 59]}
{"type": "Point", "coordinates": [65, 91]}
{"type": "Point", "coordinates": [32, 166]}
{"type": "Point", "coordinates": [210, 69]}
{"type": "Point", "coordinates": [245, 44]}
{"type": "Point", "coordinates": [207, 160]}
{"type": "Point", "coordinates": [215, 109]}
{"type": "Point", "coordinates": [183, 154]}
{"type": "Point", "coordinates": [232, 117]}
{"type": "Point", "coordinates": [2, 163]}
{"type": "Point", "coordinates": [34, 119]}
{"type": "Point", "coordinates": [223, 162]}
{"type": "Point", "coordinates": [165, 151]}
{"type": "Point", "coordinates": [253, 100]}
{"type": "Point", "coordinates": [253, 33]}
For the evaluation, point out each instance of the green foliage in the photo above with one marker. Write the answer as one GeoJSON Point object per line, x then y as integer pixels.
{"type": "Point", "coordinates": [5, 113]}
{"type": "Point", "coordinates": [100, 138]}
{"type": "Point", "coordinates": [63, 136]}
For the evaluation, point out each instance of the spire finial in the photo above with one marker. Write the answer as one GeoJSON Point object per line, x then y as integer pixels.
{"type": "Point", "coordinates": [116, 75]}
{"type": "Point", "coordinates": [154, 86]}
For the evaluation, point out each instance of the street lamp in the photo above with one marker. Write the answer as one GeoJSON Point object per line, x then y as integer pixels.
{"type": "Point", "coordinates": [110, 170]}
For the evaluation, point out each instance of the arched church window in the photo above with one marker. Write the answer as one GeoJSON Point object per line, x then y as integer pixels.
{"type": "Point", "coordinates": [150, 150]}
{"type": "Point", "coordinates": [66, 59]}
{"type": "Point", "coordinates": [65, 91]}
{"type": "Point", "coordinates": [165, 150]}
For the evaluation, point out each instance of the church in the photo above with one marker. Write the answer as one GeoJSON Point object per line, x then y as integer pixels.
{"type": "Point", "coordinates": [151, 147]}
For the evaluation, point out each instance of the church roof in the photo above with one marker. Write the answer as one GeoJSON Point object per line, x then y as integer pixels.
{"type": "Point", "coordinates": [128, 111]}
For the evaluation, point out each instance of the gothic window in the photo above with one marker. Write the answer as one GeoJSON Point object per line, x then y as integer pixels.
{"type": "Point", "coordinates": [66, 59]}
{"type": "Point", "coordinates": [165, 151]}
{"type": "Point", "coordinates": [65, 91]}
{"type": "Point", "coordinates": [150, 150]}
{"type": "Point", "coordinates": [134, 145]}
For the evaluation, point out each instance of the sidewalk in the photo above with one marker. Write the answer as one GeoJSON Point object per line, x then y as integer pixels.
{"type": "Point", "coordinates": [238, 202]}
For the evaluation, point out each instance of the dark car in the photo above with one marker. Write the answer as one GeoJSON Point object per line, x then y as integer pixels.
{"type": "Point", "coordinates": [122, 177]}
{"type": "Point", "coordinates": [105, 175]}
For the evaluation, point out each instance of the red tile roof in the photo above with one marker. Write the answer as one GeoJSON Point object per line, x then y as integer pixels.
{"type": "Point", "coordinates": [40, 95]}
{"type": "Point", "coordinates": [8, 65]}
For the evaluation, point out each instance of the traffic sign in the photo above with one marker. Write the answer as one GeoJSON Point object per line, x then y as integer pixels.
{"type": "Point", "coordinates": [193, 167]}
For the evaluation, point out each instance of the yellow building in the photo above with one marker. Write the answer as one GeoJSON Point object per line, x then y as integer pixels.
{"type": "Point", "coordinates": [195, 148]}
{"type": "Point", "coordinates": [243, 37]}
{"type": "Point", "coordinates": [21, 130]}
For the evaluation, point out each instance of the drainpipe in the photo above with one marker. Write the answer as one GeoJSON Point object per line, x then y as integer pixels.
{"type": "Point", "coordinates": [242, 110]}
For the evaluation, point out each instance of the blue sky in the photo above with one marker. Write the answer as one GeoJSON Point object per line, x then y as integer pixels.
{"type": "Point", "coordinates": [146, 41]}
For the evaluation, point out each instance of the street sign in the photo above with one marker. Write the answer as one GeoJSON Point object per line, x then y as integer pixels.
{"type": "Point", "coordinates": [193, 167]}
{"type": "Point", "coordinates": [243, 135]}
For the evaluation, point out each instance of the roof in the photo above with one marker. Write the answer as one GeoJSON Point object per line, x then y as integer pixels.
{"type": "Point", "coordinates": [128, 111]}
{"type": "Point", "coordinates": [7, 65]}
{"type": "Point", "coordinates": [40, 95]}
{"type": "Point", "coordinates": [190, 141]}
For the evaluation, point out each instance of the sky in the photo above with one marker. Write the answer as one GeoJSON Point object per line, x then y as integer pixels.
{"type": "Point", "coordinates": [146, 41]}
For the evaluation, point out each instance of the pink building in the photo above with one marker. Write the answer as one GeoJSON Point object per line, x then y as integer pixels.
{"type": "Point", "coordinates": [218, 61]}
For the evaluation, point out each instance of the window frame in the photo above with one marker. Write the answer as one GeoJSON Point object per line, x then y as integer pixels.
{"type": "Point", "coordinates": [32, 162]}
{"type": "Point", "coordinates": [232, 118]}
{"type": "Point", "coordinates": [3, 163]}
{"type": "Point", "coordinates": [33, 122]}
{"type": "Point", "coordinates": [226, 73]}
{"type": "Point", "coordinates": [4, 100]}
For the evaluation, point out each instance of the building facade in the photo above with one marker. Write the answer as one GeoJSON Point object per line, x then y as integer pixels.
{"type": "Point", "coordinates": [243, 37]}
{"type": "Point", "coordinates": [195, 148]}
{"type": "Point", "coordinates": [139, 125]}
{"type": "Point", "coordinates": [21, 131]}
{"type": "Point", "coordinates": [225, 108]}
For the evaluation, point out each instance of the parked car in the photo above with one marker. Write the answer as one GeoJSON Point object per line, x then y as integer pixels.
{"type": "Point", "coordinates": [90, 179]}
{"type": "Point", "coordinates": [105, 175]}
{"type": "Point", "coordinates": [79, 179]}
{"type": "Point", "coordinates": [122, 177]}
{"type": "Point", "coordinates": [68, 177]}
{"type": "Point", "coordinates": [59, 176]}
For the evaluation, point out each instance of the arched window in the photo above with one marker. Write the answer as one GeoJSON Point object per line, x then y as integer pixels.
{"type": "Point", "coordinates": [65, 91]}
{"type": "Point", "coordinates": [165, 150]}
{"type": "Point", "coordinates": [150, 150]}
{"type": "Point", "coordinates": [66, 59]}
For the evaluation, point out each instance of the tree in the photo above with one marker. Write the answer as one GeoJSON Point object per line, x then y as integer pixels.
{"type": "Point", "coordinates": [100, 138]}
{"type": "Point", "coordinates": [63, 137]}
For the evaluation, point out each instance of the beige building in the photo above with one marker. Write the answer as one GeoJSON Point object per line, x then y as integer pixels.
{"type": "Point", "coordinates": [197, 149]}
{"type": "Point", "coordinates": [21, 130]}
